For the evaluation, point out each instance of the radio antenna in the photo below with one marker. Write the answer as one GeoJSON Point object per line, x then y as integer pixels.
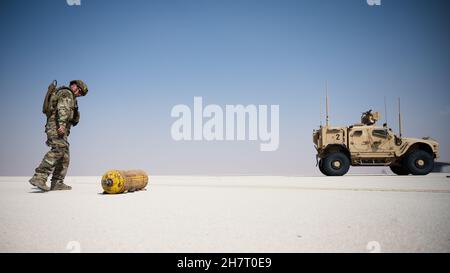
{"type": "Point", "coordinates": [321, 111]}
{"type": "Point", "coordinates": [326, 92]}
{"type": "Point", "coordinates": [399, 118]}
{"type": "Point", "coordinates": [385, 111]}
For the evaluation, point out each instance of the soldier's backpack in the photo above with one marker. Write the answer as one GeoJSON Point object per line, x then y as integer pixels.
{"type": "Point", "coordinates": [48, 107]}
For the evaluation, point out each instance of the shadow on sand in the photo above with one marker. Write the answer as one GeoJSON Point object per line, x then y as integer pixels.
{"type": "Point", "coordinates": [439, 167]}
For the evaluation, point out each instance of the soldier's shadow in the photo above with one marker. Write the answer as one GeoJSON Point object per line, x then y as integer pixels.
{"type": "Point", "coordinates": [37, 191]}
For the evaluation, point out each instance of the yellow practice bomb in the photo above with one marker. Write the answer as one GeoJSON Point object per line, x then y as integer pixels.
{"type": "Point", "coordinates": [116, 181]}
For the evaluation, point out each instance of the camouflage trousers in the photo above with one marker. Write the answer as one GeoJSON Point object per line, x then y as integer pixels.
{"type": "Point", "coordinates": [56, 161]}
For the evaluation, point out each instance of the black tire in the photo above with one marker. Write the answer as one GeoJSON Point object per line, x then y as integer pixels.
{"type": "Point", "coordinates": [336, 164]}
{"type": "Point", "coordinates": [399, 170]}
{"type": "Point", "coordinates": [321, 167]}
{"type": "Point", "coordinates": [419, 162]}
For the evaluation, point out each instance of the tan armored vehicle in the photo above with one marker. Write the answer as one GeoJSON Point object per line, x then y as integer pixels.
{"type": "Point", "coordinates": [366, 144]}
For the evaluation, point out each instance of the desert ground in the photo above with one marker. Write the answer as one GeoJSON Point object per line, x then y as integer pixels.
{"type": "Point", "coordinates": [354, 213]}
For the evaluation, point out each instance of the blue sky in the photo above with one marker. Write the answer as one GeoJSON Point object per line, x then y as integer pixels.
{"type": "Point", "coordinates": [140, 58]}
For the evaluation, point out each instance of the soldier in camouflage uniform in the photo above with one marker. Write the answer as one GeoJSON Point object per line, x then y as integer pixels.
{"type": "Point", "coordinates": [63, 116]}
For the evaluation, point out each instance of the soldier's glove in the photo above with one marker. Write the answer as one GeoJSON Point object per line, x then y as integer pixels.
{"type": "Point", "coordinates": [61, 130]}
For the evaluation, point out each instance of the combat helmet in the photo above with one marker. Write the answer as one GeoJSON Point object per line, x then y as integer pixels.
{"type": "Point", "coordinates": [81, 85]}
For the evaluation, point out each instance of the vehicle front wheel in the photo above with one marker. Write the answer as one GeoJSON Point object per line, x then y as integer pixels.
{"type": "Point", "coordinates": [336, 164]}
{"type": "Point", "coordinates": [321, 167]}
{"type": "Point", "coordinates": [419, 162]}
{"type": "Point", "coordinates": [399, 170]}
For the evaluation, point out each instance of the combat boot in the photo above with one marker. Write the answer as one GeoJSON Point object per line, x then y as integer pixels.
{"type": "Point", "coordinates": [59, 186]}
{"type": "Point", "coordinates": [40, 183]}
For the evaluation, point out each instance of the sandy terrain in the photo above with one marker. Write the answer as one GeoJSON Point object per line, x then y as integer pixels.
{"type": "Point", "coordinates": [231, 214]}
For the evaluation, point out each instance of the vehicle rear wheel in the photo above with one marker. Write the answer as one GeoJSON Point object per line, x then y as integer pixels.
{"type": "Point", "coordinates": [419, 162]}
{"type": "Point", "coordinates": [399, 170]}
{"type": "Point", "coordinates": [335, 164]}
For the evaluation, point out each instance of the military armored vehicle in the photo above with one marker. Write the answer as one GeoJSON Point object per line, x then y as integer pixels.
{"type": "Point", "coordinates": [366, 144]}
